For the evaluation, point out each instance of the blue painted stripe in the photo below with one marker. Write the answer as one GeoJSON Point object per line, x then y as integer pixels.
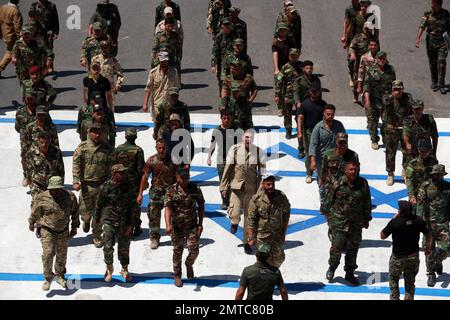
{"type": "Point", "coordinates": [225, 283]}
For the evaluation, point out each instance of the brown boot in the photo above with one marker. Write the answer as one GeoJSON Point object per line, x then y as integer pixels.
{"type": "Point", "coordinates": [109, 272]}
{"type": "Point", "coordinates": [177, 281]}
{"type": "Point", "coordinates": [124, 274]}
{"type": "Point", "coordinates": [190, 271]}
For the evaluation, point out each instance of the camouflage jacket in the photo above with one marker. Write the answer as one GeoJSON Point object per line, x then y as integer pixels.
{"type": "Point", "coordinates": [223, 46]}
{"type": "Point", "coordinates": [165, 109]}
{"type": "Point", "coordinates": [301, 87]}
{"type": "Point", "coordinates": [132, 158]}
{"type": "Point", "coordinates": [333, 165]}
{"type": "Point", "coordinates": [285, 81]}
{"type": "Point", "coordinates": [32, 133]}
{"type": "Point", "coordinates": [426, 128]}
{"type": "Point", "coordinates": [378, 83]}
{"type": "Point", "coordinates": [436, 24]}
{"type": "Point", "coordinates": [243, 58]}
{"type": "Point", "coordinates": [115, 204]}
{"type": "Point", "coordinates": [23, 118]}
{"type": "Point", "coordinates": [348, 205]}
{"type": "Point", "coordinates": [110, 68]}
{"type": "Point", "coordinates": [367, 61]}
{"type": "Point", "coordinates": [28, 55]}
{"type": "Point", "coordinates": [48, 15]}
{"type": "Point", "coordinates": [55, 213]}
{"type": "Point", "coordinates": [359, 45]}
{"type": "Point", "coordinates": [92, 163]}
{"type": "Point", "coordinates": [217, 10]}
{"type": "Point", "coordinates": [433, 202]}
{"type": "Point", "coordinates": [45, 93]}
{"type": "Point", "coordinates": [163, 172]}
{"type": "Point", "coordinates": [171, 44]}
{"type": "Point", "coordinates": [417, 172]}
{"type": "Point", "coordinates": [242, 112]}
{"type": "Point", "coordinates": [246, 81]}
{"type": "Point", "coordinates": [184, 205]}
{"type": "Point", "coordinates": [91, 47]}
{"type": "Point", "coordinates": [41, 168]}
{"type": "Point", "coordinates": [268, 219]}
{"type": "Point", "coordinates": [396, 111]}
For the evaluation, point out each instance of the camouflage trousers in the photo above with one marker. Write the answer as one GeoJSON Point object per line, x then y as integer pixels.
{"type": "Point", "coordinates": [373, 114]}
{"type": "Point", "coordinates": [179, 238]}
{"type": "Point", "coordinates": [437, 58]}
{"type": "Point", "coordinates": [35, 190]}
{"type": "Point", "coordinates": [440, 246]}
{"type": "Point", "coordinates": [239, 201]}
{"type": "Point", "coordinates": [23, 156]}
{"type": "Point", "coordinates": [54, 244]}
{"type": "Point", "coordinates": [88, 198]}
{"type": "Point", "coordinates": [305, 147]}
{"type": "Point", "coordinates": [111, 235]}
{"type": "Point", "coordinates": [409, 267]}
{"type": "Point", "coordinates": [154, 212]}
{"type": "Point", "coordinates": [7, 57]}
{"type": "Point", "coordinates": [287, 113]}
{"type": "Point", "coordinates": [276, 254]}
{"type": "Point", "coordinates": [137, 209]}
{"type": "Point", "coordinates": [392, 139]}
{"type": "Point", "coordinates": [220, 170]}
{"type": "Point", "coordinates": [345, 242]}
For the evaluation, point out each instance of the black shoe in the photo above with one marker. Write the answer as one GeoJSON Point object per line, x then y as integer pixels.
{"type": "Point", "coordinates": [247, 248]}
{"type": "Point", "coordinates": [434, 87]}
{"type": "Point", "coordinates": [288, 133]}
{"type": "Point", "coordinates": [137, 231]}
{"type": "Point", "coordinates": [301, 154]}
{"type": "Point", "coordinates": [233, 228]}
{"type": "Point", "coordinates": [443, 90]}
{"type": "Point", "coordinates": [439, 268]}
{"type": "Point", "coordinates": [431, 280]}
{"type": "Point", "coordinates": [330, 274]}
{"type": "Point", "coordinates": [350, 277]}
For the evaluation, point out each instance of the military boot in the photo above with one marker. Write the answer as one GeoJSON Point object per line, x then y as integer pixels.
{"type": "Point", "coordinates": [390, 179]}
{"type": "Point", "coordinates": [98, 243]}
{"type": "Point", "coordinates": [330, 273]}
{"type": "Point", "coordinates": [443, 90]}
{"type": "Point", "coordinates": [431, 280]}
{"type": "Point", "coordinates": [86, 226]}
{"type": "Point", "coordinates": [350, 277]}
{"type": "Point", "coordinates": [288, 133]}
{"type": "Point", "coordinates": [280, 112]}
{"type": "Point", "coordinates": [177, 281]}
{"type": "Point", "coordinates": [61, 281]}
{"type": "Point", "coordinates": [137, 231]}
{"type": "Point", "coordinates": [46, 285]}
{"type": "Point", "coordinates": [109, 272]}
{"type": "Point", "coordinates": [434, 86]}
{"type": "Point", "coordinates": [125, 274]}
{"type": "Point", "coordinates": [439, 267]}
{"type": "Point", "coordinates": [154, 243]}
{"type": "Point", "coordinates": [308, 179]}
{"type": "Point", "coordinates": [189, 271]}
{"type": "Point", "coordinates": [233, 228]}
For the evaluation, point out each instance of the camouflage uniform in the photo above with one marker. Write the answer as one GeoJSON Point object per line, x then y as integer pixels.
{"type": "Point", "coordinates": [377, 83]}
{"type": "Point", "coordinates": [45, 93]}
{"type": "Point", "coordinates": [91, 168]}
{"type": "Point", "coordinates": [333, 165]}
{"type": "Point", "coordinates": [240, 28]}
{"type": "Point", "coordinates": [433, 205]}
{"type": "Point", "coordinates": [394, 112]}
{"type": "Point", "coordinates": [28, 55]}
{"type": "Point", "coordinates": [409, 266]}
{"type": "Point", "coordinates": [302, 85]}
{"type": "Point", "coordinates": [284, 89]}
{"type": "Point", "coordinates": [48, 16]}
{"type": "Point", "coordinates": [241, 109]}
{"type": "Point", "coordinates": [223, 46]}
{"type": "Point", "coordinates": [359, 46]}
{"type": "Point", "coordinates": [163, 176]}
{"type": "Point", "coordinates": [115, 207]}
{"type": "Point", "coordinates": [184, 221]}
{"type": "Point", "coordinates": [425, 129]}
{"type": "Point", "coordinates": [267, 219]}
{"type": "Point", "coordinates": [367, 61]}
{"type": "Point", "coordinates": [217, 10]}
{"type": "Point", "coordinates": [41, 168]}
{"type": "Point", "coordinates": [349, 209]}
{"type": "Point", "coordinates": [437, 50]}
{"type": "Point", "coordinates": [165, 109]}
{"type": "Point", "coordinates": [246, 82]}
{"type": "Point", "coordinates": [91, 48]}
{"type": "Point", "coordinates": [171, 44]}
{"type": "Point", "coordinates": [23, 118]}
{"type": "Point", "coordinates": [131, 157]}
{"type": "Point", "coordinates": [53, 215]}
{"type": "Point", "coordinates": [418, 171]}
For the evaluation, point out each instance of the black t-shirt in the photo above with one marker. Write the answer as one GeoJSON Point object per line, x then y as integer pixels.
{"type": "Point", "coordinates": [102, 85]}
{"type": "Point", "coordinates": [312, 112]}
{"type": "Point", "coordinates": [224, 139]}
{"type": "Point", "coordinates": [405, 234]}
{"type": "Point", "coordinates": [282, 47]}
{"type": "Point", "coordinates": [260, 281]}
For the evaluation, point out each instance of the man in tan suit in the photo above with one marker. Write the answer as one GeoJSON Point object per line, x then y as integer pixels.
{"type": "Point", "coordinates": [10, 27]}
{"type": "Point", "coordinates": [245, 164]}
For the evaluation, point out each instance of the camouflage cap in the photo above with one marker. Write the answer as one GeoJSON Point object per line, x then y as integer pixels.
{"type": "Point", "coordinates": [282, 25]}
{"type": "Point", "coordinates": [130, 133]}
{"type": "Point", "coordinates": [95, 126]}
{"type": "Point", "coordinates": [27, 29]}
{"type": "Point", "coordinates": [365, 2]}
{"type": "Point", "coordinates": [182, 172]}
{"type": "Point", "coordinates": [341, 136]}
{"type": "Point", "coordinates": [118, 168]}
{"type": "Point", "coordinates": [264, 248]}
{"type": "Point", "coordinates": [55, 182]}
{"type": "Point", "coordinates": [234, 9]}
{"type": "Point", "coordinates": [424, 144]}
{"type": "Point", "coordinates": [294, 51]}
{"type": "Point", "coordinates": [381, 54]}
{"type": "Point", "coordinates": [417, 104]}
{"type": "Point", "coordinates": [175, 117]}
{"type": "Point", "coordinates": [268, 176]}
{"type": "Point", "coordinates": [238, 41]}
{"type": "Point", "coordinates": [235, 86]}
{"type": "Point", "coordinates": [173, 91]}
{"type": "Point", "coordinates": [41, 110]}
{"type": "Point", "coordinates": [97, 26]}
{"type": "Point", "coordinates": [439, 169]}
{"type": "Point", "coordinates": [29, 93]}
{"type": "Point", "coordinates": [226, 21]}
{"type": "Point", "coordinates": [397, 84]}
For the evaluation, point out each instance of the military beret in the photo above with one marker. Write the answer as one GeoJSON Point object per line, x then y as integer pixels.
{"type": "Point", "coordinates": [235, 86]}
{"type": "Point", "coordinates": [264, 248]}
{"type": "Point", "coordinates": [294, 51]}
{"type": "Point", "coordinates": [34, 69]}
{"type": "Point", "coordinates": [173, 90]}
{"type": "Point", "coordinates": [175, 117]}
{"type": "Point", "coordinates": [341, 136]}
{"type": "Point", "coordinates": [130, 132]}
{"type": "Point", "coordinates": [118, 168]}
{"type": "Point", "coordinates": [417, 104]}
{"type": "Point", "coordinates": [41, 110]}
{"type": "Point", "coordinates": [55, 182]}
{"type": "Point", "coordinates": [95, 126]}
{"type": "Point", "coordinates": [282, 25]}
{"type": "Point", "coordinates": [182, 172]}
{"type": "Point", "coordinates": [381, 54]}
{"type": "Point", "coordinates": [424, 144]}
{"type": "Point", "coordinates": [238, 42]}
{"type": "Point", "coordinates": [397, 84]}
{"type": "Point", "coordinates": [97, 26]}
{"type": "Point", "coordinates": [439, 169]}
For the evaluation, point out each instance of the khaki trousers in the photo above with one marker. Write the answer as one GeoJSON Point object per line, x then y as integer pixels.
{"type": "Point", "coordinates": [239, 201]}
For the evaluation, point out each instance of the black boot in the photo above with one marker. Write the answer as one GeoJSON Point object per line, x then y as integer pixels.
{"type": "Point", "coordinates": [431, 280]}
{"type": "Point", "coordinates": [350, 277]}
{"type": "Point", "coordinates": [330, 273]}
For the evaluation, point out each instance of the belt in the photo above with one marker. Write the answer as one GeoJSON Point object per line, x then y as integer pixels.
{"type": "Point", "coordinates": [92, 183]}
{"type": "Point", "coordinates": [406, 256]}
{"type": "Point", "coordinates": [53, 231]}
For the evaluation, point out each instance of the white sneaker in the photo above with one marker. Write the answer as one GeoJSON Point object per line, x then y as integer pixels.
{"type": "Point", "coordinates": [308, 179]}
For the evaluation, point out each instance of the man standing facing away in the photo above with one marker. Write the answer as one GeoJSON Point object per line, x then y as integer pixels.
{"type": "Point", "coordinates": [10, 26]}
{"type": "Point", "coordinates": [176, 26]}
{"type": "Point", "coordinates": [244, 166]}
{"type": "Point", "coordinates": [405, 228]}
{"type": "Point", "coordinates": [159, 12]}
{"type": "Point", "coordinates": [52, 211]}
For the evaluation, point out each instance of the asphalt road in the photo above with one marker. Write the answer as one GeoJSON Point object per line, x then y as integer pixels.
{"type": "Point", "coordinates": [322, 25]}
